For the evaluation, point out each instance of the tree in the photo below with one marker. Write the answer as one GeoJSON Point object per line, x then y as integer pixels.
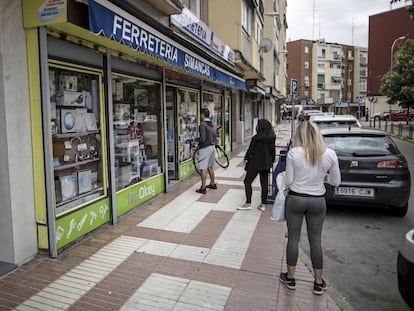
{"type": "Point", "coordinates": [398, 84]}
{"type": "Point", "coordinates": [410, 8]}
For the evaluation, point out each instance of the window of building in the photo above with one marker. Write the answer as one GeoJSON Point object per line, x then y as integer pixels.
{"type": "Point", "coordinates": [306, 65]}
{"type": "Point", "coordinates": [321, 81]}
{"type": "Point", "coordinates": [350, 55]}
{"type": "Point", "coordinates": [306, 93]}
{"type": "Point", "coordinates": [78, 150]}
{"type": "Point", "coordinates": [193, 6]}
{"type": "Point", "coordinates": [259, 30]}
{"type": "Point", "coordinates": [188, 126]}
{"type": "Point", "coordinates": [306, 50]}
{"type": "Point", "coordinates": [306, 81]}
{"type": "Point", "coordinates": [137, 117]}
{"type": "Point", "coordinates": [363, 72]}
{"type": "Point", "coordinates": [214, 103]}
{"type": "Point", "coordinates": [363, 85]}
{"type": "Point", "coordinates": [246, 17]}
{"type": "Point", "coordinates": [321, 53]}
{"type": "Point", "coordinates": [349, 82]}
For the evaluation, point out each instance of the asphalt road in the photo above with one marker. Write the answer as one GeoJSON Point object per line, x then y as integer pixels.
{"type": "Point", "coordinates": [360, 252]}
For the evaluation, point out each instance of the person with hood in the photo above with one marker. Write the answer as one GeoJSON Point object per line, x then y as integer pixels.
{"type": "Point", "coordinates": [259, 158]}
{"type": "Point", "coordinates": [206, 145]}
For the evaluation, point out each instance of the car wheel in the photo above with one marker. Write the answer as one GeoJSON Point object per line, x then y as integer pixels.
{"type": "Point", "coordinates": [376, 118]}
{"type": "Point", "coordinates": [399, 211]}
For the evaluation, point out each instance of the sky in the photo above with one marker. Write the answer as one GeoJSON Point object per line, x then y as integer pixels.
{"type": "Point", "coordinates": [337, 21]}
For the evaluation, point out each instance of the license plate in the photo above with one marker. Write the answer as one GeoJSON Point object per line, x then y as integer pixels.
{"type": "Point", "coordinates": [355, 192]}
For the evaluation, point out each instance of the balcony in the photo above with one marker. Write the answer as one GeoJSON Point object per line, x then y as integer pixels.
{"type": "Point", "coordinates": [168, 7]}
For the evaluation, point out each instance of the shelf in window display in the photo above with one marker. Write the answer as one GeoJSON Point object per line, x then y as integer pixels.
{"type": "Point", "coordinates": [75, 164]}
{"type": "Point", "coordinates": [71, 135]}
{"type": "Point", "coordinates": [94, 192]}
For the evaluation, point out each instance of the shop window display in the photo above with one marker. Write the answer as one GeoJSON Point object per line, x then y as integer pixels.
{"type": "Point", "coordinates": [214, 103]}
{"type": "Point", "coordinates": [75, 111]}
{"type": "Point", "coordinates": [188, 126]}
{"type": "Point", "coordinates": [226, 127]}
{"type": "Point", "coordinates": [137, 115]}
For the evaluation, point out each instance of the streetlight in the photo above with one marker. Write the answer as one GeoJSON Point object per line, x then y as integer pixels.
{"type": "Point", "coordinates": [392, 50]}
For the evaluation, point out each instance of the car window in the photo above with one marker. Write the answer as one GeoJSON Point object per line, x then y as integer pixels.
{"type": "Point", "coordinates": [355, 145]}
{"type": "Point", "coordinates": [336, 123]}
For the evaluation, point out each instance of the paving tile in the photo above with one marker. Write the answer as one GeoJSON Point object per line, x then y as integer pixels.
{"type": "Point", "coordinates": [180, 251]}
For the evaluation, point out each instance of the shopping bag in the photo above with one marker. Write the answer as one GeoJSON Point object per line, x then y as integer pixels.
{"type": "Point", "coordinates": [278, 211]}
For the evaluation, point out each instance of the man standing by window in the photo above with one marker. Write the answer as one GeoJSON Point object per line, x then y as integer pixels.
{"type": "Point", "coordinates": [206, 144]}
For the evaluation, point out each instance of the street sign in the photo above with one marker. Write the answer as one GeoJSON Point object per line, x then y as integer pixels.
{"type": "Point", "coordinates": [294, 87]}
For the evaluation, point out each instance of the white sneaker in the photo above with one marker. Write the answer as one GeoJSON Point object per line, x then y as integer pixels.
{"type": "Point", "coordinates": [261, 207]}
{"type": "Point", "coordinates": [245, 206]}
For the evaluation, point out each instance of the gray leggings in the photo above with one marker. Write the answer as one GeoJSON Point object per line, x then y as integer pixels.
{"type": "Point", "coordinates": [314, 210]}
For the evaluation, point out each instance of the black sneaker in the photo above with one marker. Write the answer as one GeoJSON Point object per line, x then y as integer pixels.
{"type": "Point", "coordinates": [290, 283]}
{"type": "Point", "coordinates": [318, 289]}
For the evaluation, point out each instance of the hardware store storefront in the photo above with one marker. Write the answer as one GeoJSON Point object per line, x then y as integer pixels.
{"type": "Point", "coordinates": [115, 108]}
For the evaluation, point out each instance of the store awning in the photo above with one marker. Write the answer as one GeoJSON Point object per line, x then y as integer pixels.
{"type": "Point", "coordinates": [112, 22]}
{"type": "Point", "coordinates": [336, 79]}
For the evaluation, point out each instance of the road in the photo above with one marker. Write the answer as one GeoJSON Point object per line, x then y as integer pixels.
{"type": "Point", "coordinates": [360, 252]}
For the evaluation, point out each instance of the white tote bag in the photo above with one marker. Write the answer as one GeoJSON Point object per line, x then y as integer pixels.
{"type": "Point", "coordinates": [278, 211]}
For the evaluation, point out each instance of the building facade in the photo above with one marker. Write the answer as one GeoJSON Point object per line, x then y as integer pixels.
{"type": "Point", "coordinates": [256, 31]}
{"type": "Point", "coordinates": [101, 104]}
{"type": "Point", "coordinates": [330, 76]}
{"type": "Point", "coordinates": [385, 31]}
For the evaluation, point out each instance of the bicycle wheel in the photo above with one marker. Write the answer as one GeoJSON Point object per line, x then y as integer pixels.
{"type": "Point", "coordinates": [221, 157]}
{"type": "Point", "coordinates": [196, 160]}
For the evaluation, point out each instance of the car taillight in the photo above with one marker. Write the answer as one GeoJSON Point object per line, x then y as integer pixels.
{"type": "Point", "coordinates": [392, 164]}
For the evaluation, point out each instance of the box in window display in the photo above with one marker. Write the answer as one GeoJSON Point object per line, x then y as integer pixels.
{"type": "Point", "coordinates": [68, 83]}
{"type": "Point", "coordinates": [68, 187]}
{"type": "Point", "coordinates": [70, 98]}
{"type": "Point", "coordinates": [84, 181]}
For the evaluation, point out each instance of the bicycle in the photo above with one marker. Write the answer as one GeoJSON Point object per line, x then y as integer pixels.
{"type": "Point", "coordinates": [221, 157]}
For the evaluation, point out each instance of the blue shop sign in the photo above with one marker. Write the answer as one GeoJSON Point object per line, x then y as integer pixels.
{"type": "Point", "coordinates": [126, 29]}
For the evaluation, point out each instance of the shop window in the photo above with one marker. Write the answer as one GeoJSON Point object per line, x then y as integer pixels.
{"type": "Point", "coordinates": [136, 121]}
{"type": "Point", "coordinates": [214, 103]}
{"type": "Point", "coordinates": [188, 122]}
{"type": "Point", "coordinates": [227, 106]}
{"type": "Point", "coordinates": [77, 136]}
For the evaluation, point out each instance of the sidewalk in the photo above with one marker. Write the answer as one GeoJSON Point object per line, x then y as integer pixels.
{"type": "Point", "coordinates": [181, 251]}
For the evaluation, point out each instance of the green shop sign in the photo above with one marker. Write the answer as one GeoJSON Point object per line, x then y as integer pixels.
{"type": "Point", "coordinates": [77, 224]}
{"type": "Point", "coordinates": [186, 169]}
{"type": "Point", "coordinates": [139, 193]}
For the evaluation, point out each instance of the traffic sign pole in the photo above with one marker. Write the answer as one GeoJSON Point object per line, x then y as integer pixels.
{"type": "Point", "coordinates": [293, 92]}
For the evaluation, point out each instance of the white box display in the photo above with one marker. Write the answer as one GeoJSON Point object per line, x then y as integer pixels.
{"type": "Point", "coordinates": [84, 181]}
{"type": "Point", "coordinates": [68, 83]}
{"type": "Point", "coordinates": [70, 98]}
{"type": "Point", "coordinates": [68, 188]}
{"type": "Point", "coordinates": [68, 120]}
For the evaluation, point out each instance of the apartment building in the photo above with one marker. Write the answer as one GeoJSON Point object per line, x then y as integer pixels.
{"type": "Point", "coordinates": [256, 31]}
{"type": "Point", "coordinates": [387, 32]}
{"type": "Point", "coordinates": [331, 76]}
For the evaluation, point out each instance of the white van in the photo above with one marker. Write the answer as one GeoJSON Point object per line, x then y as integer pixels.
{"type": "Point", "coordinates": [326, 121]}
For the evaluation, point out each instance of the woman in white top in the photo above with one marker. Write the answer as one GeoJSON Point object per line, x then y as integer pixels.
{"type": "Point", "coordinates": [308, 165]}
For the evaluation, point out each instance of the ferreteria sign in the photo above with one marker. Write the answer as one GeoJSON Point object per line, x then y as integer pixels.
{"type": "Point", "coordinates": [112, 22]}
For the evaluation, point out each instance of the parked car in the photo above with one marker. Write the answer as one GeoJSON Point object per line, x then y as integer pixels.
{"type": "Point", "coordinates": [326, 121]}
{"type": "Point", "coordinates": [381, 115]}
{"type": "Point", "coordinates": [405, 269]}
{"type": "Point", "coordinates": [373, 170]}
{"type": "Point", "coordinates": [400, 115]}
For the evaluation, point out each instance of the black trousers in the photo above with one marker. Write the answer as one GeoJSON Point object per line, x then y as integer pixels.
{"type": "Point", "coordinates": [264, 183]}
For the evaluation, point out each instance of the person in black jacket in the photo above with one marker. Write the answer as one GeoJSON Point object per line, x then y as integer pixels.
{"type": "Point", "coordinates": [259, 158]}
